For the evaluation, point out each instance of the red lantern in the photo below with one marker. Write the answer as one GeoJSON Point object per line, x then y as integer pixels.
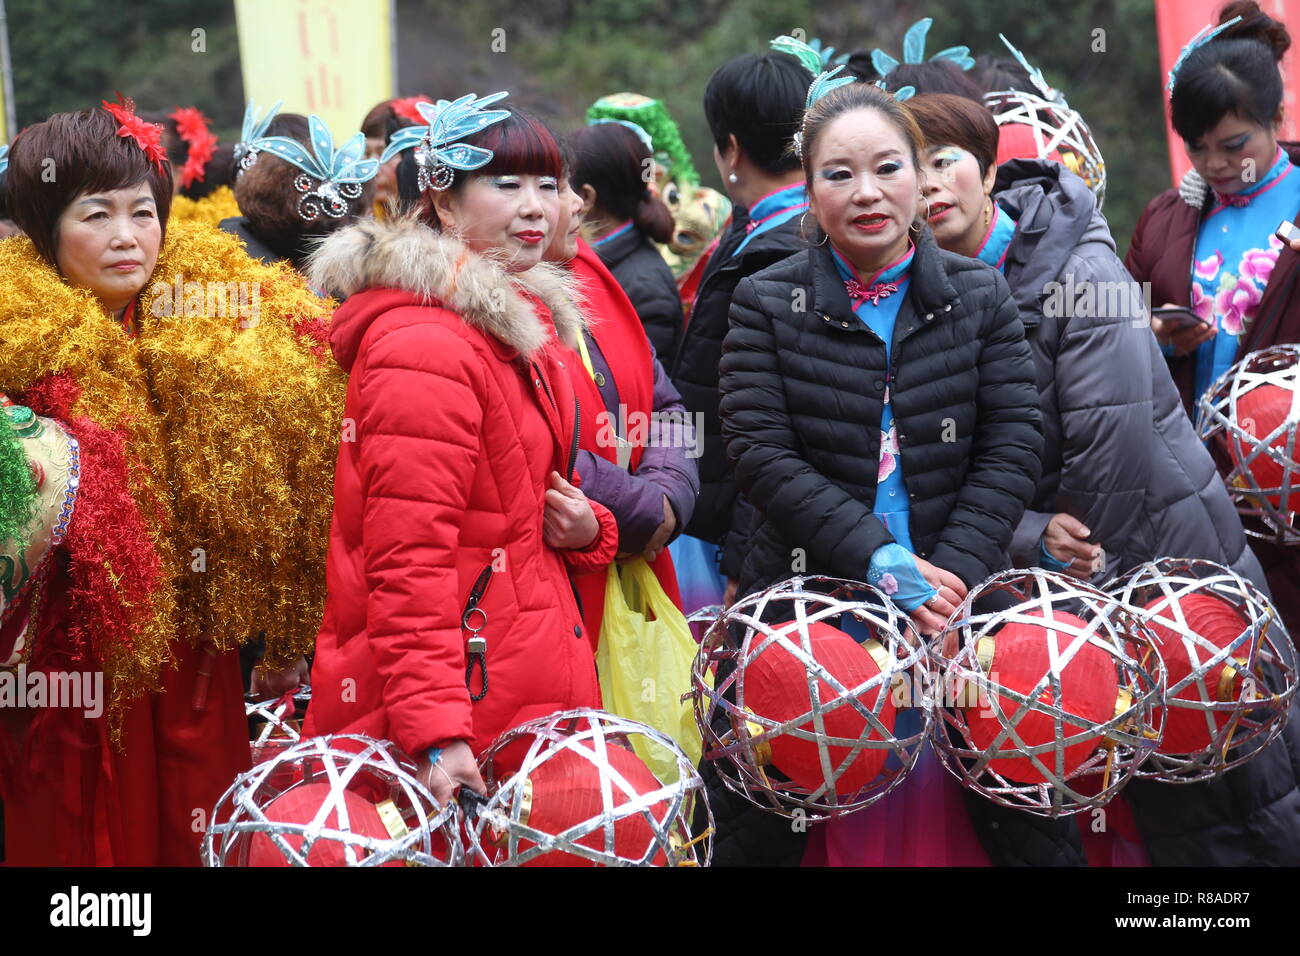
{"type": "Point", "coordinates": [1016, 658]}
{"type": "Point", "coordinates": [300, 806]}
{"type": "Point", "coordinates": [776, 687]}
{"type": "Point", "coordinates": [1260, 412]}
{"type": "Point", "coordinates": [1214, 620]}
{"type": "Point", "coordinates": [565, 791]}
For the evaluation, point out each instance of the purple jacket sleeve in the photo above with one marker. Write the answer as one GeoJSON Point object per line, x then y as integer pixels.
{"type": "Point", "coordinates": [667, 468]}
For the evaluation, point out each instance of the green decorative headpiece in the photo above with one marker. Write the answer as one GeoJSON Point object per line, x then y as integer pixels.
{"type": "Point", "coordinates": [653, 117]}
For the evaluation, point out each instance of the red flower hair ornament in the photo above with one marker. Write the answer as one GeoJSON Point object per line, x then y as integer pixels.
{"type": "Point", "coordinates": [192, 127]}
{"type": "Point", "coordinates": [148, 136]}
{"type": "Point", "coordinates": [405, 108]}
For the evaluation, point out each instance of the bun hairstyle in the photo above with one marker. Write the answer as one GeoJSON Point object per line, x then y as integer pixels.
{"type": "Point", "coordinates": [847, 99]}
{"type": "Point", "coordinates": [613, 160]}
{"type": "Point", "coordinates": [1255, 25]}
{"type": "Point", "coordinates": [934, 76]}
{"type": "Point", "coordinates": [850, 98]}
{"type": "Point", "coordinates": [88, 157]}
{"type": "Point", "coordinates": [269, 201]}
{"type": "Point", "coordinates": [1237, 72]}
{"type": "Point", "coordinates": [994, 74]}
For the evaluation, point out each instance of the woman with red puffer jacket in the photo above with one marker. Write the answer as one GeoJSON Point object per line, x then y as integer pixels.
{"type": "Point", "coordinates": [455, 487]}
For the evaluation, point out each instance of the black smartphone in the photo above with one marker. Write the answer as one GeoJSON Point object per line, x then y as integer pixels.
{"type": "Point", "coordinates": [1179, 317]}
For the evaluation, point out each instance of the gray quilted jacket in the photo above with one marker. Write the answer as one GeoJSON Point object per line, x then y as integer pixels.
{"type": "Point", "coordinates": [1121, 455]}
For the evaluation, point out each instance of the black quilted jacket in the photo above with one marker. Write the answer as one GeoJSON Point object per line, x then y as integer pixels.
{"type": "Point", "coordinates": [803, 384]}
{"type": "Point", "coordinates": [649, 284]}
{"type": "Point", "coordinates": [803, 387]}
{"type": "Point", "coordinates": [721, 516]}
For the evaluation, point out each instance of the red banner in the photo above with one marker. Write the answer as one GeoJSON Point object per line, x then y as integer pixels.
{"type": "Point", "coordinates": [1177, 21]}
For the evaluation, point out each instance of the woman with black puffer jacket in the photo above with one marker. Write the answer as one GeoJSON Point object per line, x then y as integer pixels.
{"type": "Point", "coordinates": [880, 411]}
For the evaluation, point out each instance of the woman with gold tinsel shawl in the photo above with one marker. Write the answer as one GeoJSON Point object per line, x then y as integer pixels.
{"type": "Point", "coordinates": [190, 422]}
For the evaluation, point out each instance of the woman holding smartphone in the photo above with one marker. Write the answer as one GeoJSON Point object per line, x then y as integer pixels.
{"type": "Point", "coordinates": [1215, 252]}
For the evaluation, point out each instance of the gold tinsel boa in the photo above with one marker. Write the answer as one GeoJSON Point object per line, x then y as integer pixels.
{"type": "Point", "coordinates": [230, 425]}
{"type": "Point", "coordinates": [211, 209]}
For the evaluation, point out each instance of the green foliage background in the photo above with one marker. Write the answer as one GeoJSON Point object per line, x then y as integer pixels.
{"type": "Point", "coordinates": [559, 55]}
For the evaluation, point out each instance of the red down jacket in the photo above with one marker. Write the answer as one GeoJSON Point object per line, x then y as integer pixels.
{"type": "Point", "coordinates": [457, 412]}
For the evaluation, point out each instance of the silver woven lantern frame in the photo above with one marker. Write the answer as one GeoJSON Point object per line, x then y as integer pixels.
{"type": "Point", "coordinates": [1124, 741]}
{"type": "Point", "coordinates": [738, 740]}
{"type": "Point", "coordinates": [1262, 654]}
{"type": "Point", "coordinates": [338, 760]}
{"type": "Point", "coordinates": [498, 832]}
{"type": "Point", "coordinates": [1056, 128]}
{"type": "Point", "coordinates": [1218, 422]}
{"type": "Point", "coordinates": [278, 726]}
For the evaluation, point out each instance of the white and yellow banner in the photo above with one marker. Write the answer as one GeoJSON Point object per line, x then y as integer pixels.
{"type": "Point", "coordinates": [333, 58]}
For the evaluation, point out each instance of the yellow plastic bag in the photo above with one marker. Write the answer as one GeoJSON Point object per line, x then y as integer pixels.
{"type": "Point", "coordinates": [644, 664]}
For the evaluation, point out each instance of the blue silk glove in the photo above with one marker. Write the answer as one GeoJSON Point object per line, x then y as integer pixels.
{"type": "Point", "coordinates": [893, 570]}
{"type": "Point", "coordinates": [1049, 561]}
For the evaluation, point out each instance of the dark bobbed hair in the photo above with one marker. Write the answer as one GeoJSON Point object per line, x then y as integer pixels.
{"type": "Point", "coordinates": [269, 201]}
{"type": "Point", "coordinates": [947, 120]}
{"type": "Point", "coordinates": [758, 99]}
{"type": "Point", "coordinates": [84, 154]}
{"type": "Point", "coordinates": [613, 161]}
{"type": "Point", "coordinates": [1235, 73]}
{"type": "Point", "coordinates": [521, 145]}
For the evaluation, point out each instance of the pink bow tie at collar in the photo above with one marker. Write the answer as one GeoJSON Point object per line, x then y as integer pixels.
{"type": "Point", "coordinates": [858, 293]}
{"type": "Point", "coordinates": [1236, 199]}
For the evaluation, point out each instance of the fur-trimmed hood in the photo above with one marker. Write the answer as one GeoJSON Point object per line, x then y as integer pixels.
{"type": "Point", "coordinates": [406, 255]}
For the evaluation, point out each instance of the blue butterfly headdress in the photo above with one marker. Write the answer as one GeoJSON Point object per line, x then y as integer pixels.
{"type": "Point", "coordinates": [1203, 36]}
{"type": "Point", "coordinates": [331, 176]}
{"type": "Point", "coordinates": [914, 52]}
{"type": "Point", "coordinates": [254, 128]}
{"type": "Point", "coordinates": [439, 151]}
{"type": "Point", "coordinates": [4, 159]}
{"type": "Point", "coordinates": [813, 60]}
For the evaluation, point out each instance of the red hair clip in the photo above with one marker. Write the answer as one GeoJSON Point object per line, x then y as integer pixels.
{"type": "Point", "coordinates": [148, 136]}
{"type": "Point", "coordinates": [192, 127]}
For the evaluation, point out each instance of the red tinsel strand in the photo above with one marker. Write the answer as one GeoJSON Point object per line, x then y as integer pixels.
{"type": "Point", "coordinates": [114, 567]}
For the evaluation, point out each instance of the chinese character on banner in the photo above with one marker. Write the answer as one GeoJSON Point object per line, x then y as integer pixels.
{"type": "Point", "coordinates": [319, 56]}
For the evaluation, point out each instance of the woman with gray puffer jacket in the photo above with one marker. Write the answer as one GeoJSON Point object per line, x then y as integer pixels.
{"type": "Point", "coordinates": [1125, 478]}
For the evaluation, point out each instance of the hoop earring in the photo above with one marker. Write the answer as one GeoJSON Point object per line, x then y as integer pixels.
{"type": "Point", "coordinates": [803, 232]}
